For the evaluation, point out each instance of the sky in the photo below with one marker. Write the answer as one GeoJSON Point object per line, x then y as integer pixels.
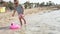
{"type": "Point", "coordinates": [36, 1]}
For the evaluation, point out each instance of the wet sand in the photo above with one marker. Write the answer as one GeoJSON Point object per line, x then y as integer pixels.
{"type": "Point", "coordinates": [5, 21]}
{"type": "Point", "coordinates": [37, 23]}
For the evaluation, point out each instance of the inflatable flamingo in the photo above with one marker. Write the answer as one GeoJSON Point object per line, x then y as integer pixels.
{"type": "Point", "coordinates": [14, 26]}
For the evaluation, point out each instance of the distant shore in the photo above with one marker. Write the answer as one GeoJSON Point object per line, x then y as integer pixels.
{"type": "Point", "coordinates": [39, 9]}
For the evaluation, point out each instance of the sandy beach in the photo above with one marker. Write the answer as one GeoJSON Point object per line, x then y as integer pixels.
{"type": "Point", "coordinates": [37, 22]}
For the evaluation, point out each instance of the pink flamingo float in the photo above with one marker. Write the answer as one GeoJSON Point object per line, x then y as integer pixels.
{"type": "Point", "coordinates": [14, 26]}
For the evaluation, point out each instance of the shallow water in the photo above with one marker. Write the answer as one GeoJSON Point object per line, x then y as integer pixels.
{"type": "Point", "coordinates": [40, 23]}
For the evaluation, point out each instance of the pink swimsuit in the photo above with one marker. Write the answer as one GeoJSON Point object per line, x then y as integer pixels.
{"type": "Point", "coordinates": [21, 15]}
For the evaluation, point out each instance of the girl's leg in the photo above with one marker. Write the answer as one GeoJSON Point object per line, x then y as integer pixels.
{"type": "Point", "coordinates": [20, 21]}
{"type": "Point", "coordinates": [24, 20]}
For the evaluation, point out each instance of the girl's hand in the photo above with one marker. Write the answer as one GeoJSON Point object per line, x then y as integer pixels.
{"type": "Point", "coordinates": [12, 15]}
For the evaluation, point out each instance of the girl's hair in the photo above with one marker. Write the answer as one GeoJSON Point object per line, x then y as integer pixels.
{"type": "Point", "coordinates": [15, 1]}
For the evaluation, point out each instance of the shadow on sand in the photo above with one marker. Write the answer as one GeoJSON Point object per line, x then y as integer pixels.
{"type": "Point", "coordinates": [4, 28]}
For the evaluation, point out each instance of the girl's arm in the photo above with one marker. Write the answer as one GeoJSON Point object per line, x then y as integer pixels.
{"type": "Point", "coordinates": [13, 13]}
{"type": "Point", "coordinates": [22, 8]}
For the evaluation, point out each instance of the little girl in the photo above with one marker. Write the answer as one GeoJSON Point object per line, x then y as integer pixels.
{"type": "Point", "coordinates": [20, 11]}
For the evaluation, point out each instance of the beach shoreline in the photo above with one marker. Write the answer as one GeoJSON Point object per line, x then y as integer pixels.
{"type": "Point", "coordinates": [6, 19]}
